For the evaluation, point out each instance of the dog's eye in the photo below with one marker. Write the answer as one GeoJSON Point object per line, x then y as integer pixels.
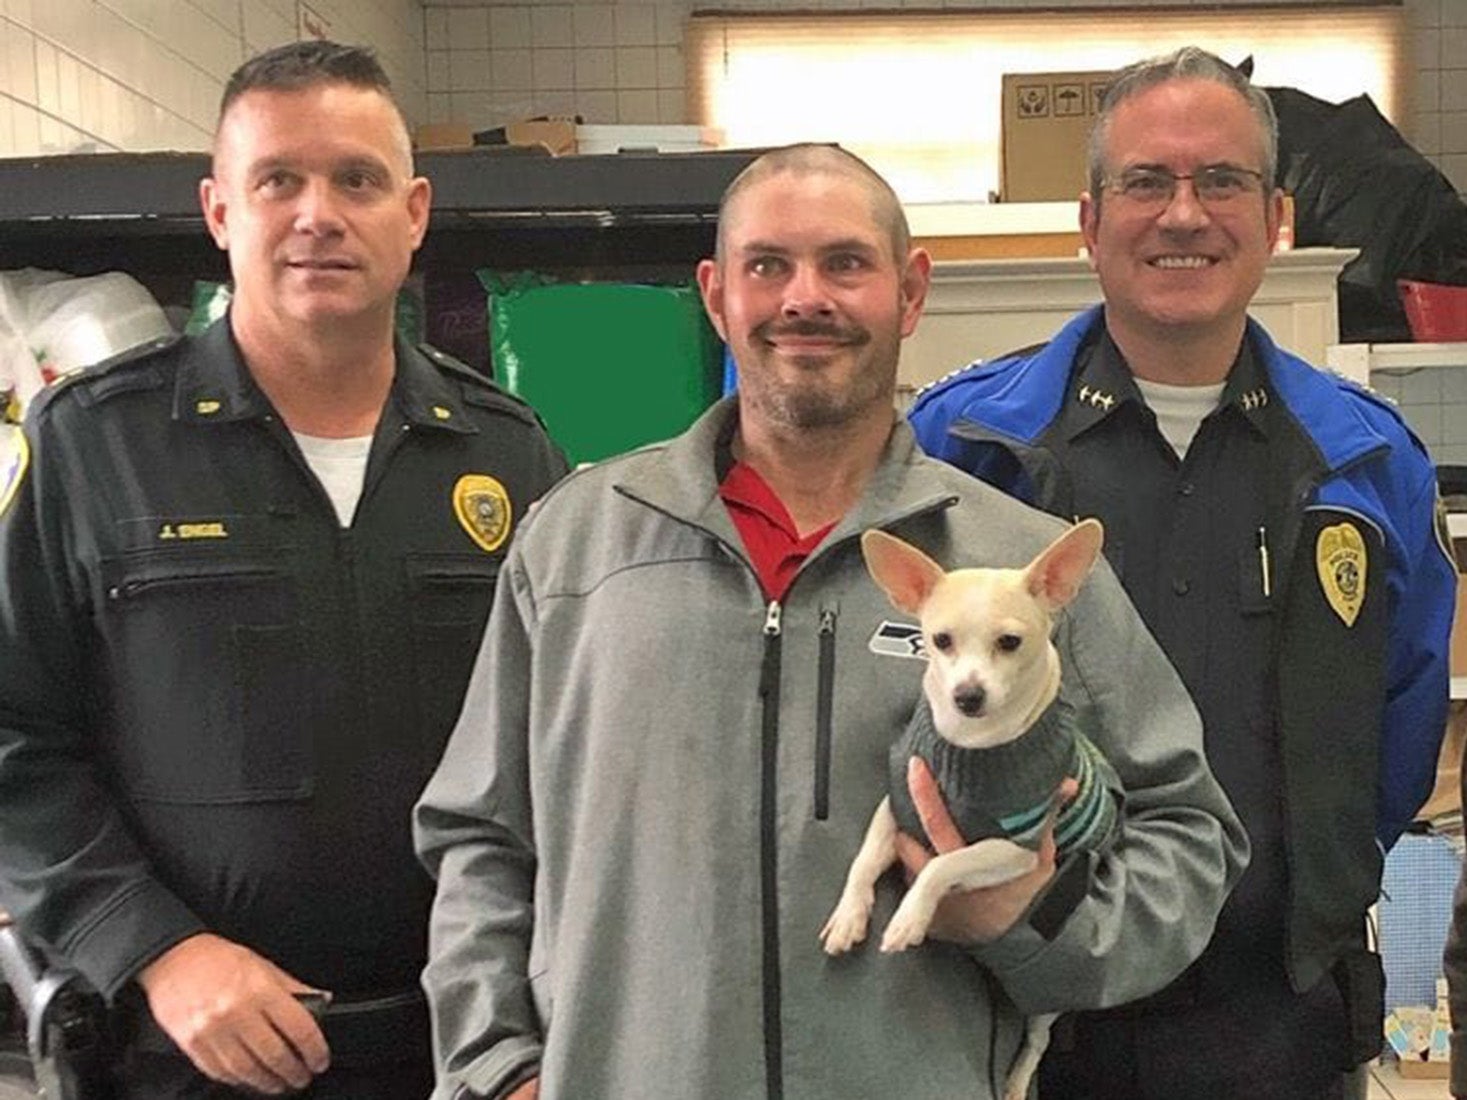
{"type": "Point", "coordinates": [942, 641]}
{"type": "Point", "coordinates": [1007, 643]}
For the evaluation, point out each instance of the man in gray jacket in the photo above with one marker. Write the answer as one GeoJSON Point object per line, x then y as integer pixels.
{"type": "Point", "coordinates": [677, 729]}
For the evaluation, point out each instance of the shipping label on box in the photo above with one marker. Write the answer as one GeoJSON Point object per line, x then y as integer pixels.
{"type": "Point", "coordinates": [1046, 121]}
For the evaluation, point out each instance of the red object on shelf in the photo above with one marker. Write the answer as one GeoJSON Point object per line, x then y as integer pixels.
{"type": "Point", "coordinates": [1437, 313]}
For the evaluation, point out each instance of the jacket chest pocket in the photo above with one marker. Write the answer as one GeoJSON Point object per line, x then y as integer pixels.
{"type": "Point", "coordinates": [450, 596]}
{"type": "Point", "coordinates": [208, 700]}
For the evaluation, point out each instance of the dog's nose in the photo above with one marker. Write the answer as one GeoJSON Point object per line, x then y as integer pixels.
{"type": "Point", "coordinates": [969, 701]}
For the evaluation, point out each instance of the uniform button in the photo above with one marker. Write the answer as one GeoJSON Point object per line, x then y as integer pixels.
{"type": "Point", "coordinates": [1181, 586]}
{"type": "Point", "coordinates": [1186, 489]}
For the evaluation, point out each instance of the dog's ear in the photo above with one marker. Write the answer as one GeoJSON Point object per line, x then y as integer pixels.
{"type": "Point", "coordinates": [903, 572]}
{"type": "Point", "coordinates": [1055, 576]}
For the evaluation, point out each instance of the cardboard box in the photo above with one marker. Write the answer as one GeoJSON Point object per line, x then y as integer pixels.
{"type": "Point", "coordinates": [1046, 122]}
{"type": "Point", "coordinates": [557, 135]}
{"type": "Point", "coordinates": [1416, 1070]}
{"type": "Point", "coordinates": [443, 135]}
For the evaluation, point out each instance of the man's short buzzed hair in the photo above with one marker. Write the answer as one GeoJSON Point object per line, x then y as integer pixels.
{"type": "Point", "coordinates": [809, 159]}
{"type": "Point", "coordinates": [1188, 63]}
{"type": "Point", "coordinates": [297, 66]}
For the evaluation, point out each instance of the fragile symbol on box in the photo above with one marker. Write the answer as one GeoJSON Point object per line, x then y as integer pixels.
{"type": "Point", "coordinates": [1097, 93]}
{"type": "Point", "coordinates": [1033, 100]}
{"type": "Point", "coordinates": [1069, 100]}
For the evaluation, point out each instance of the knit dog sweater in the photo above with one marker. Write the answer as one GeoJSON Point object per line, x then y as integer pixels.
{"type": "Point", "coordinates": [1007, 790]}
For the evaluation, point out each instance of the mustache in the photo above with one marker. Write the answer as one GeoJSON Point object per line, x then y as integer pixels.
{"type": "Point", "coordinates": [825, 330]}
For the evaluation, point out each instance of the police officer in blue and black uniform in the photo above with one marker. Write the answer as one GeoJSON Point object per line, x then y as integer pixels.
{"type": "Point", "coordinates": [242, 580]}
{"type": "Point", "coordinates": [1275, 526]}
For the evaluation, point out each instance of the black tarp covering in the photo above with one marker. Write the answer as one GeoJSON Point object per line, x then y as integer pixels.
{"type": "Point", "coordinates": [1358, 184]}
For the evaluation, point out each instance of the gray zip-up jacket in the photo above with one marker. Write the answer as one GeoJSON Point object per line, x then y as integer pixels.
{"type": "Point", "coordinates": [650, 802]}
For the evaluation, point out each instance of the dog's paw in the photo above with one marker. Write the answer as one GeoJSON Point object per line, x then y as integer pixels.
{"type": "Point", "coordinates": [845, 928]}
{"type": "Point", "coordinates": [908, 926]}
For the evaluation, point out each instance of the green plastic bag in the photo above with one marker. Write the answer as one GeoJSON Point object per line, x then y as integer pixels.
{"type": "Point", "coordinates": [608, 366]}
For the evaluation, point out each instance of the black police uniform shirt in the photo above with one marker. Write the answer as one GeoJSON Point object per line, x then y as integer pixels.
{"type": "Point", "coordinates": [1183, 536]}
{"type": "Point", "coordinates": [218, 705]}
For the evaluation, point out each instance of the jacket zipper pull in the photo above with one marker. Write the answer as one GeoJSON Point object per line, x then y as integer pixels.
{"type": "Point", "coordinates": [827, 621]}
{"type": "Point", "coordinates": [769, 670]}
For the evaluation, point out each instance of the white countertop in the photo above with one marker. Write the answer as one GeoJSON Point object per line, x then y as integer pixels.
{"type": "Point", "coordinates": [984, 219]}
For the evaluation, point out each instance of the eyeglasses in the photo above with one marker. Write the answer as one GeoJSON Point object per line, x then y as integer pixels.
{"type": "Point", "coordinates": [1215, 185]}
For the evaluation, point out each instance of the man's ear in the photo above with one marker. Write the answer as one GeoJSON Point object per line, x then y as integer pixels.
{"type": "Point", "coordinates": [903, 572]}
{"type": "Point", "coordinates": [710, 286]}
{"type": "Point", "coordinates": [916, 279]}
{"type": "Point", "coordinates": [419, 203]}
{"type": "Point", "coordinates": [212, 201]}
{"type": "Point", "coordinates": [1089, 224]}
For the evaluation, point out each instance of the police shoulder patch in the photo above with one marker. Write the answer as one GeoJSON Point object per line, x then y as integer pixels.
{"type": "Point", "coordinates": [1340, 559]}
{"type": "Point", "coordinates": [15, 459]}
{"type": "Point", "coordinates": [483, 509]}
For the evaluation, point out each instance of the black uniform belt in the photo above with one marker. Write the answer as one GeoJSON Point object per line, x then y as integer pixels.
{"type": "Point", "coordinates": [361, 1031]}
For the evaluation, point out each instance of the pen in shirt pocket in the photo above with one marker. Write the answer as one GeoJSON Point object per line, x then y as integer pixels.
{"type": "Point", "coordinates": [1263, 570]}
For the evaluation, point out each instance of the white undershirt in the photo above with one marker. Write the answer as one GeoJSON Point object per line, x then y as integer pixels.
{"type": "Point", "coordinates": [341, 467]}
{"type": "Point", "coordinates": [1180, 410]}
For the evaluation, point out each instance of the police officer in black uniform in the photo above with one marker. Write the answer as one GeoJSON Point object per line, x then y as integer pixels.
{"type": "Point", "coordinates": [1274, 527]}
{"type": "Point", "coordinates": [242, 578]}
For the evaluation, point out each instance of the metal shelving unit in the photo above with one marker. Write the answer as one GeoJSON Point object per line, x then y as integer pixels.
{"type": "Point", "coordinates": [627, 215]}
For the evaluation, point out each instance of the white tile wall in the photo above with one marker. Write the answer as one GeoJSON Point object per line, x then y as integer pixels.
{"type": "Point", "coordinates": [1434, 403]}
{"type": "Point", "coordinates": [84, 75]}
{"type": "Point", "coordinates": [606, 60]}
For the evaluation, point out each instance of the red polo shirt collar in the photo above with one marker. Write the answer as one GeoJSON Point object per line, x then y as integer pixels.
{"type": "Point", "coordinates": [775, 547]}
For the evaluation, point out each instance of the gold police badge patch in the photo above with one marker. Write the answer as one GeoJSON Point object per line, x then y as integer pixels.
{"type": "Point", "coordinates": [483, 510]}
{"type": "Point", "coordinates": [15, 458]}
{"type": "Point", "coordinates": [1339, 556]}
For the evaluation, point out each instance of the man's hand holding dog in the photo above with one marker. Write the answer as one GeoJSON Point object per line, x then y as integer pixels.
{"type": "Point", "coordinates": [971, 916]}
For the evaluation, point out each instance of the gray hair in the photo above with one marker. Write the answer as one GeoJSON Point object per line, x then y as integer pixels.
{"type": "Point", "coordinates": [810, 159]}
{"type": "Point", "coordinates": [1188, 63]}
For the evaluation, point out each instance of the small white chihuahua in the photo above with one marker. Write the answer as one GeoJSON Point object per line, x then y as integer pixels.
{"type": "Point", "coordinates": [996, 736]}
